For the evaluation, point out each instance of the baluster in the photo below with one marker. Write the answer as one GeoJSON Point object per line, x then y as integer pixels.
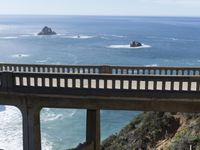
{"type": "Point", "coordinates": [189, 85]}
{"type": "Point", "coordinates": [105, 84]}
{"type": "Point", "coordinates": [19, 68]}
{"type": "Point", "coordinates": [188, 72]}
{"type": "Point", "coordinates": [10, 68]}
{"type": "Point", "coordinates": [29, 69]}
{"type": "Point", "coordinates": [180, 85]}
{"type": "Point", "coordinates": [78, 70]}
{"type": "Point", "coordinates": [172, 85]}
{"type": "Point", "coordinates": [146, 84]}
{"type": "Point", "coordinates": [73, 83]}
{"type": "Point", "coordinates": [193, 72]}
{"type": "Point", "coordinates": [58, 82]}
{"type": "Point", "coordinates": [198, 85]}
{"type": "Point", "coordinates": [20, 80]}
{"type": "Point", "coordinates": [138, 85]}
{"type": "Point", "coordinates": [182, 71]}
{"type": "Point", "coordinates": [35, 81]}
{"type": "Point", "coordinates": [97, 83]}
{"type": "Point", "coordinates": [129, 84]}
{"type": "Point", "coordinates": [89, 83]}
{"type": "Point", "coordinates": [50, 82]}
{"type": "Point", "coordinates": [121, 84]}
{"type": "Point", "coordinates": [81, 83]}
{"type": "Point", "coordinates": [53, 69]}
{"type": "Point", "coordinates": [66, 83]}
{"type": "Point", "coordinates": [113, 84]}
{"type": "Point", "coordinates": [159, 71]}
{"type": "Point", "coordinates": [154, 85]}
{"type": "Point", "coordinates": [163, 85]}
{"type": "Point", "coordinates": [43, 81]}
{"type": "Point", "coordinates": [177, 71]}
{"type": "Point", "coordinates": [28, 81]}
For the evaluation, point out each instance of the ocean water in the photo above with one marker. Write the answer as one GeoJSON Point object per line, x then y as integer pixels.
{"type": "Point", "coordinates": [167, 41]}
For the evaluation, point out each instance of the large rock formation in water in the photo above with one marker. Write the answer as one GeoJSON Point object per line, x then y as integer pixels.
{"type": "Point", "coordinates": [47, 31]}
{"type": "Point", "coordinates": [135, 44]}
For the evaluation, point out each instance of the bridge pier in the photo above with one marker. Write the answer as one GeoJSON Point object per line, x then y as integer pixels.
{"type": "Point", "coordinates": [93, 128]}
{"type": "Point", "coordinates": [31, 127]}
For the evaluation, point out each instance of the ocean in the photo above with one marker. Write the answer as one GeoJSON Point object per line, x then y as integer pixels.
{"type": "Point", "coordinates": [167, 41]}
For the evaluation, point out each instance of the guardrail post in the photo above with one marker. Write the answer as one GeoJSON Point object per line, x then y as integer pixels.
{"type": "Point", "coordinates": [7, 80]}
{"type": "Point", "coordinates": [105, 69]}
{"type": "Point", "coordinates": [93, 128]}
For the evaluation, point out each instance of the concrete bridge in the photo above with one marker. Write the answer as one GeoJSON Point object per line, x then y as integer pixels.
{"type": "Point", "coordinates": [30, 87]}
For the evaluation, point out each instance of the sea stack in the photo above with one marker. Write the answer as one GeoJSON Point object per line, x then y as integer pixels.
{"type": "Point", "coordinates": [47, 31]}
{"type": "Point", "coordinates": [135, 44]}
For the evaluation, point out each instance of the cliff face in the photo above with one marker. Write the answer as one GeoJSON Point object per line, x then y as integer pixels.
{"type": "Point", "coordinates": [160, 131]}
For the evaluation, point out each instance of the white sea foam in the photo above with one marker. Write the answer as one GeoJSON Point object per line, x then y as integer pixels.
{"type": "Point", "coordinates": [52, 114]}
{"type": "Point", "coordinates": [118, 36]}
{"type": "Point", "coordinates": [128, 46]}
{"type": "Point", "coordinates": [72, 113]}
{"type": "Point", "coordinates": [26, 35]}
{"type": "Point", "coordinates": [46, 145]}
{"type": "Point", "coordinates": [79, 36]}
{"type": "Point", "coordinates": [53, 117]}
{"type": "Point", "coordinates": [9, 37]}
{"type": "Point", "coordinates": [11, 129]}
{"type": "Point", "coordinates": [174, 39]}
{"type": "Point", "coordinates": [20, 55]}
{"type": "Point", "coordinates": [41, 61]}
{"type": "Point", "coordinates": [152, 65]}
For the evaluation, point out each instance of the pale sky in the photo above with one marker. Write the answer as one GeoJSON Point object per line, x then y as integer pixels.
{"type": "Point", "coordinates": [102, 7]}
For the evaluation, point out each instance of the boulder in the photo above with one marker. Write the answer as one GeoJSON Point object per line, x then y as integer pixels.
{"type": "Point", "coordinates": [47, 31]}
{"type": "Point", "coordinates": [135, 44]}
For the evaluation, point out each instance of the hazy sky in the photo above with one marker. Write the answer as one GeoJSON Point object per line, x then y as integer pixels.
{"type": "Point", "coordinates": [102, 7]}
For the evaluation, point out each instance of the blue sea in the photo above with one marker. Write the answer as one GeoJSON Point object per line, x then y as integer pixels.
{"type": "Point", "coordinates": [167, 41]}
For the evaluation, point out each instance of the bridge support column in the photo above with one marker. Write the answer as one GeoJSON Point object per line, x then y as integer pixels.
{"type": "Point", "coordinates": [93, 128]}
{"type": "Point", "coordinates": [31, 127]}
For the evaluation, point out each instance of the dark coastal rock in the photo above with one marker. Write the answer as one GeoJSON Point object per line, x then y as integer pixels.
{"type": "Point", "coordinates": [47, 31]}
{"type": "Point", "coordinates": [135, 44]}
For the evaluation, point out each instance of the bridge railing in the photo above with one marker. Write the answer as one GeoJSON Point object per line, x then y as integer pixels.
{"type": "Point", "coordinates": [50, 68]}
{"type": "Point", "coordinates": [62, 83]}
{"type": "Point", "coordinates": [100, 69]}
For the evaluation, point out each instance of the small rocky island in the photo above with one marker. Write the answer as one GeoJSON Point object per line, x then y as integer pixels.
{"type": "Point", "coordinates": [135, 44]}
{"type": "Point", "coordinates": [47, 31]}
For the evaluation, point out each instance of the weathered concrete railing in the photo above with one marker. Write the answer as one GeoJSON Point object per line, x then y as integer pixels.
{"type": "Point", "coordinates": [100, 69]}
{"type": "Point", "coordinates": [32, 87]}
{"type": "Point", "coordinates": [44, 81]}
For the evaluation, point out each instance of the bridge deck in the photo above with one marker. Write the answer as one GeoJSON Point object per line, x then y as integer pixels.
{"type": "Point", "coordinates": [31, 87]}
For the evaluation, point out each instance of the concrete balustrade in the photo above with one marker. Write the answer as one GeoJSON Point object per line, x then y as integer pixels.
{"type": "Point", "coordinates": [100, 69]}
{"type": "Point", "coordinates": [94, 87]}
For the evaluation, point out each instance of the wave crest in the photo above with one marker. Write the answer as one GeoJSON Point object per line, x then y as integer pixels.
{"type": "Point", "coordinates": [20, 55]}
{"type": "Point", "coordinates": [128, 46]}
{"type": "Point", "coordinates": [9, 37]}
{"type": "Point", "coordinates": [79, 36]}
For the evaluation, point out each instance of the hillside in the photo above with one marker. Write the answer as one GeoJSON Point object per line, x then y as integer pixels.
{"type": "Point", "coordinates": [160, 131]}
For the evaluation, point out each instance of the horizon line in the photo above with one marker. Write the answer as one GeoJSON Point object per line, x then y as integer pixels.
{"type": "Point", "coordinates": [98, 15]}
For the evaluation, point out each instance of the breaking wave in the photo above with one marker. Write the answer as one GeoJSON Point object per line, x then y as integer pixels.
{"type": "Point", "coordinates": [20, 55]}
{"type": "Point", "coordinates": [128, 46]}
{"type": "Point", "coordinates": [9, 37]}
{"type": "Point", "coordinates": [79, 36]}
